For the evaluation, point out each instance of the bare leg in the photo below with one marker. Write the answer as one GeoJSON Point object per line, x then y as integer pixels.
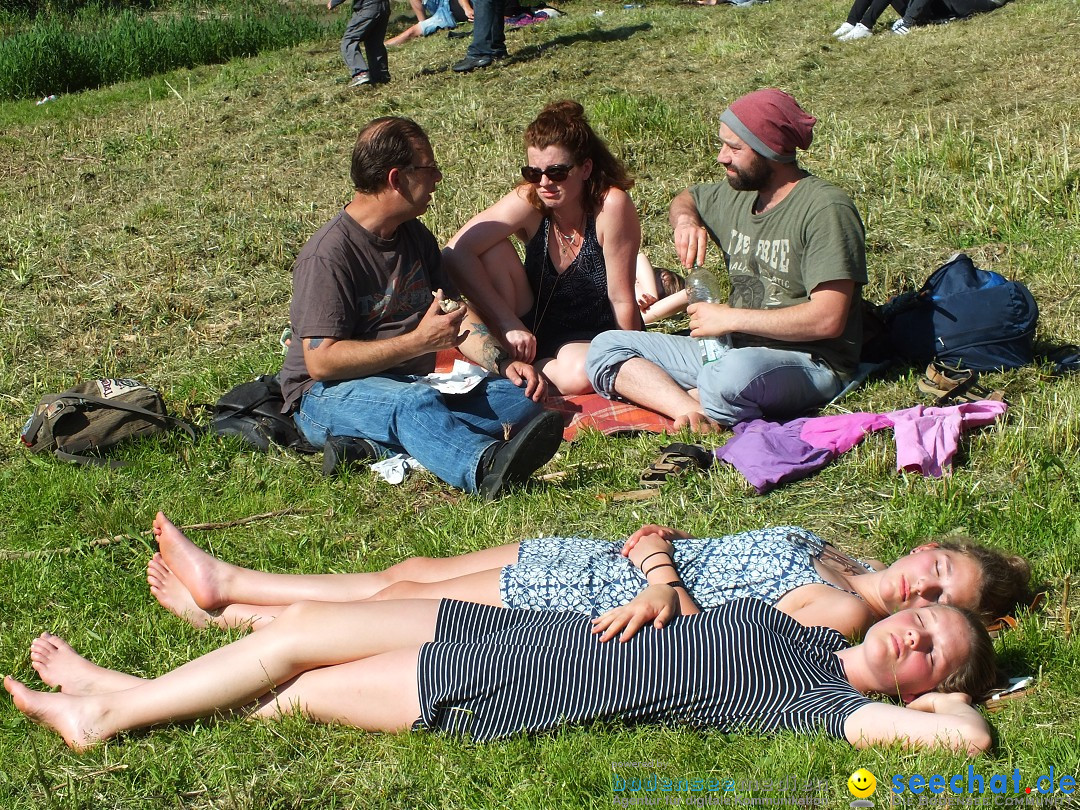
{"type": "Point", "coordinates": [412, 32]}
{"type": "Point", "coordinates": [481, 587]}
{"type": "Point", "coordinates": [213, 583]}
{"type": "Point", "coordinates": [57, 664]}
{"type": "Point", "coordinates": [375, 694]}
{"type": "Point", "coordinates": [307, 636]}
{"type": "Point", "coordinates": [642, 381]}
{"type": "Point", "coordinates": [505, 273]}
{"type": "Point", "coordinates": [566, 371]}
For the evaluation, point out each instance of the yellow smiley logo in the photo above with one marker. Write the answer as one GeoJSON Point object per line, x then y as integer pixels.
{"type": "Point", "coordinates": [862, 783]}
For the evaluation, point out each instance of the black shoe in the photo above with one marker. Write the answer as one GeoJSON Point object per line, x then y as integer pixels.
{"type": "Point", "coordinates": [514, 461]}
{"type": "Point", "coordinates": [470, 63]}
{"type": "Point", "coordinates": [343, 451]}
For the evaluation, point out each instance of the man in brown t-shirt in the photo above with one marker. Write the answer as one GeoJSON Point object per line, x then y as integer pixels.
{"type": "Point", "coordinates": [367, 317]}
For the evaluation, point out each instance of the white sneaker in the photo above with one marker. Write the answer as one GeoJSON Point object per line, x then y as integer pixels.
{"type": "Point", "coordinates": [843, 29]}
{"type": "Point", "coordinates": [900, 27]}
{"type": "Point", "coordinates": [359, 79]}
{"type": "Point", "coordinates": [860, 31]}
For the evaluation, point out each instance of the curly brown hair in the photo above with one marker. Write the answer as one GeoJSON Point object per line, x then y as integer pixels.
{"type": "Point", "coordinates": [563, 124]}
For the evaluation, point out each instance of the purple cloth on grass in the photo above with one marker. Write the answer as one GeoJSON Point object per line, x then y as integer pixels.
{"type": "Point", "coordinates": [771, 453]}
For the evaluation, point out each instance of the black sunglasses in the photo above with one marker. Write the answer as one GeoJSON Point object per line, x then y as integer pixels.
{"type": "Point", "coordinates": [557, 172]}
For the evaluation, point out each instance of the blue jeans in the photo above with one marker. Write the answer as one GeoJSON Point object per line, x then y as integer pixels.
{"type": "Point", "coordinates": [489, 36]}
{"type": "Point", "coordinates": [742, 384]}
{"type": "Point", "coordinates": [446, 433]}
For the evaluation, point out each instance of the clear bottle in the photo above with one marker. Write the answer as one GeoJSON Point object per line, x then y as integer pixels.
{"type": "Point", "coordinates": [703, 287]}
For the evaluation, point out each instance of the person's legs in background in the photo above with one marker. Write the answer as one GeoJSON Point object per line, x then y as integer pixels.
{"type": "Point", "coordinates": [375, 47]}
{"type": "Point", "coordinates": [368, 16]}
{"type": "Point", "coordinates": [489, 36]}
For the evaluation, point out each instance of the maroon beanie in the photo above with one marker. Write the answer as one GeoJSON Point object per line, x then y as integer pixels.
{"type": "Point", "coordinates": [771, 123]}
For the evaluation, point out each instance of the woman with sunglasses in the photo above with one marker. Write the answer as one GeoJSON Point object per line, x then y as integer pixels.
{"type": "Point", "coordinates": [581, 235]}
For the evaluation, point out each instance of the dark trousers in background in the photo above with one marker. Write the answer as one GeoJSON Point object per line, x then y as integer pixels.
{"type": "Point", "coordinates": [489, 37]}
{"type": "Point", "coordinates": [367, 26]}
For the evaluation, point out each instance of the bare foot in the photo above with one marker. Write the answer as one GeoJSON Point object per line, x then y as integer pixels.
{"type": "Point", "coordinates": [57, 664]}
{"type": "Point", "coordinates": [203, 575]}
{"type": "Point", "coordinates": [173, 595]}
{"type": "Point", "coordinates": [74, 718]}
{"type": "Point", "coordinates": [697, 422]}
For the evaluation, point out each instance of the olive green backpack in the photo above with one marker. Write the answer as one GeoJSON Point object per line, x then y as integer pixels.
{"type": "Point", "coordinates": [92, 417]}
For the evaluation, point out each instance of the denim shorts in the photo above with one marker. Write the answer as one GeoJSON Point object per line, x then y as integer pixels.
{"type": "Point", "coordinates": [439, 17]}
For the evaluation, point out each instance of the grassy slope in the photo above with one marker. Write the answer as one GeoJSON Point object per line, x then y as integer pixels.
{"type": "Point", "coordinates": [149, 229]}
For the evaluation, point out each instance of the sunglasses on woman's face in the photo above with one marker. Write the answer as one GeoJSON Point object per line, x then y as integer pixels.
{"type": "Point", "coordinates": [557, 172]}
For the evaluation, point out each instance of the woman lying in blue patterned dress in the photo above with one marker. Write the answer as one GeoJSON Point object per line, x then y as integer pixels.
{"type": "Point", "coordinates": [488, 673]}
{"type": "Point", "coordinates": [655, 575]}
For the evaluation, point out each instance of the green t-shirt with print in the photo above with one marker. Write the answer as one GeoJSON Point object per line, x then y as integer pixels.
{"type": "Point", "coordinates": [776, 259]}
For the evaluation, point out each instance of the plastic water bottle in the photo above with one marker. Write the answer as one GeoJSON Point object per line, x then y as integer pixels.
{"type": "Point", "coordinates": [703, 287]}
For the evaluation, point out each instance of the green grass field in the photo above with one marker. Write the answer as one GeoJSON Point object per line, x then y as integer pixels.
{"type": "Point", "coordinates": [148, 230]}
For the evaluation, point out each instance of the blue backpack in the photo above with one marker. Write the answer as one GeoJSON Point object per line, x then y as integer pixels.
{"type": "Point", "coordinates": [965, 317]}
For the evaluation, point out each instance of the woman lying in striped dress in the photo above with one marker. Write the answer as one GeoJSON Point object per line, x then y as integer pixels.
{"type": "Point", "coordinates": [790, 567]}
{"type": "Point", "coordinates": [490, 672]}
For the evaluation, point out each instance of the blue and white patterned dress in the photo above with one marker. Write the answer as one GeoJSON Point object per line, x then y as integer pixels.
{"type": "Point", "coordinates": [584, 575]}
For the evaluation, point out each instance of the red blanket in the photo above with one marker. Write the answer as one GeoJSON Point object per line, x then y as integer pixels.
{"type": "Point", "coordinates": [588, 410]}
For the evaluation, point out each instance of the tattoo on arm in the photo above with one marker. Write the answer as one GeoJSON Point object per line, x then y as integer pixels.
{"type": "Point", "coordinates": [314, 343]}
{"type": "Point", "coordinates": [491, 352]}
{"type": "Point", "coordinates": [493, 355]}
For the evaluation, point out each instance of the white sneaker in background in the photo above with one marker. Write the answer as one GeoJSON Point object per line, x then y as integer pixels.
{"type": "Point", "coordinates": [860, 31]}
{"type": "Point", "coordinates": [843, 29]}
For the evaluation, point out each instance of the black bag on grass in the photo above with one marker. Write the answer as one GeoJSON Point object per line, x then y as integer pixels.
{"type": "Point", "coordinates": [966, 317]}
{"type": "Point", "coordinates": [92, 417]}
{"type": "Point", "coordinates": [252, 412]}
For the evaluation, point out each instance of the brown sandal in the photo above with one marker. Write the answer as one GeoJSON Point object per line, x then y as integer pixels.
{"type": "Point", "coordinates": [675, 459]}
{"type": "Point", "coordinates": [950, 384]}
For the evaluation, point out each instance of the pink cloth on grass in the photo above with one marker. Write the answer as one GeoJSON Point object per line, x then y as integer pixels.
{"type": "Point", "coordinates": [927, 438]}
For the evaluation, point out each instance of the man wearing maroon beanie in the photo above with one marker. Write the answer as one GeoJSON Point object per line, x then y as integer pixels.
{"type": "Point", "coordinates": [788, 338]}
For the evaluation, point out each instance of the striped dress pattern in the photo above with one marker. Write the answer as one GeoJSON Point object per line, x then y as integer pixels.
{"type": "Point", "coordinates": [493, 672]}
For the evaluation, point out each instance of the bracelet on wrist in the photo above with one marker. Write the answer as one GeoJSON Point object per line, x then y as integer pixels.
{"type": "Point", "coordinates": [678, 583]}
{"type": "Point", "coordinates": [658, 565]}
{"type": "Point", "coordinates": [650, 556]}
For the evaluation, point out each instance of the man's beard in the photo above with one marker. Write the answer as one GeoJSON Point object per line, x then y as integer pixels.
{"type": "Point", "coordinates": [752, 179]}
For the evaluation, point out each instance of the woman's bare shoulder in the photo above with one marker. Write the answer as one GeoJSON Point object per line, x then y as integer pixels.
{"type": "Point", "coordinates": [616, 200]}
